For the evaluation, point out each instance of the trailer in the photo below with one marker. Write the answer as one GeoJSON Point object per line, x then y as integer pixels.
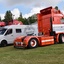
{"type": "Point", "coordinates": [50, 30]}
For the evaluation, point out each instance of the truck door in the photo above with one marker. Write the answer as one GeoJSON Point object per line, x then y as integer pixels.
{"type": "Point", "coordinates": [9, 36]}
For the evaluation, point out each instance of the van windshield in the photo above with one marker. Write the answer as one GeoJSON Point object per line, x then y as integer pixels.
{"type": "Point", "coordinates": [2, 31]}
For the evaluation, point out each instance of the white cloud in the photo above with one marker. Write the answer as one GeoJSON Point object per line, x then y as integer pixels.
{"type": "Point", "coordinates": [15, 13]}
{"type": "Point", "coordinates": [51, 2]}
{"type": "Point", "coordinates": [35, 10]}
{"type": "Point", "coordinates": [2, 16]}
{"type": "Point", "coordinates": [62, 11]}
{"type": "Point", "coordinates": [32, 2]}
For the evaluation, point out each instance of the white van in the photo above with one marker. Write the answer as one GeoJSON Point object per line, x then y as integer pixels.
{"type": "Point", "coordinates": [9, 33]}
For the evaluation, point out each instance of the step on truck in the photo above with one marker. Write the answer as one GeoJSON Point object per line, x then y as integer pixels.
{"type": "Point", "coordinates": [50, 30]}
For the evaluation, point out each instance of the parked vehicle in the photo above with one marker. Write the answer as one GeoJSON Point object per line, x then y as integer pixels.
{"type": "Point", "coordinates": [9, 33]}
{"type": "Point", "coordinates": [50, 29]}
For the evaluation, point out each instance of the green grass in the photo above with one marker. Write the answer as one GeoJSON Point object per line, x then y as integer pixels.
{"type": "Point", "coordinates": [53, 54]}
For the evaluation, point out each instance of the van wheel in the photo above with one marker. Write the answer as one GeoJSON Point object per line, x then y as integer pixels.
{"type": "Point", "coordinates": [61, 38]}
{"type": "Point", "coordinates": [33, 43]}
{"type": "Point", "coordinates": [4, 43]}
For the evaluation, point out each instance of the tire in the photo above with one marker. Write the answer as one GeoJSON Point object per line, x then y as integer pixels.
{"type": "Point", "coordinates": [33, 43]}
{"type": "Point", "coordinates": [61, 38]}
{"type": "Point", "coordinates": [4, 43]}
{"type": "Point", "coordinates": [14, 46]}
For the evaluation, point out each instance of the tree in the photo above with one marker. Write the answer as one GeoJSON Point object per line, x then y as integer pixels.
{"type": "Point", "coordinates": [0, 18]}
{"type": "Point", "coordinates": [32, 19]}
{"type": "Point", "coordinates": [29, 20]}
{"type": "Point", "coordinates": [23, 20]}
{"type": "Point", "coordinates": [21, 15]}
{"type": "Point", "coordinates": [8, 17]}
{"type": "Point", "coordinates": [56, 7]}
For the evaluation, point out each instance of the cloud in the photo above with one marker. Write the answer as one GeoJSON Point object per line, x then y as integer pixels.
{"type": "Point", "coordinates": [62, 11]}
{"type": "Point", "coordinates": [51, 2]}
{"type": "Point", "coordinates": [15, 13]}
{"type": "Point", "coordinates": [32, 2]}
{"type": "Point", "coordinates": [17, 2]}
{"type": "Point", "coordinates": [34, 10]}
{"type": "Point", "coordinates": [2, 16]}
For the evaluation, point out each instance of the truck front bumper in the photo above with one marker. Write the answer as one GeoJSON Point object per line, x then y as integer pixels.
{"type": "Point", "coordinates": [19, 45]}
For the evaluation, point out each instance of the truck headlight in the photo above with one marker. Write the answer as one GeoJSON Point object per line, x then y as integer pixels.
{"type": "Point", "coordinates": [21, 43]}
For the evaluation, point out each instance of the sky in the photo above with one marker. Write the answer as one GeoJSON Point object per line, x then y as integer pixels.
{"type": "Point", "coordinates": [27, 7]}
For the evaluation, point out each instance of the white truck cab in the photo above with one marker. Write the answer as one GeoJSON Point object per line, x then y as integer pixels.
{"type": "Point", "coordinates": [9, 33]}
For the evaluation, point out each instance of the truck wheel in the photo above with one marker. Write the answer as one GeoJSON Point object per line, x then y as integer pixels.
{"type": "Point", "coordinates": [61, 38]}
{"type": "Point", "coordinates": [4, 43]}
{"type": "Point", "coordinates": [33, 43]}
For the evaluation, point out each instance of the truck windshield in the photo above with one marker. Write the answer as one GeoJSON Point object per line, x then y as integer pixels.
{"type": "Point", "coordinates": [2, 31]}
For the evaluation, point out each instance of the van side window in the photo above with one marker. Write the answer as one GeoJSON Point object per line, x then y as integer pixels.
{"type": "Point", "coordinates": [9, 31]}
{"type": "Point", "coordinates": [18, 30]}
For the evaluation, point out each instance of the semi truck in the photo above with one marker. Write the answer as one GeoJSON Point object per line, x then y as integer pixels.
{"type": "Point", "coordinates": [50, 30]}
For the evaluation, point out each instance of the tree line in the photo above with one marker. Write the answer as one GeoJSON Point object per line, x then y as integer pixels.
{"type": "Point", "coordinates": [9, 18]}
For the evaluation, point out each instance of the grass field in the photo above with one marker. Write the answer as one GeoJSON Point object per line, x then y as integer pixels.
{"type": "Point", "coordinates": [53, 54]}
